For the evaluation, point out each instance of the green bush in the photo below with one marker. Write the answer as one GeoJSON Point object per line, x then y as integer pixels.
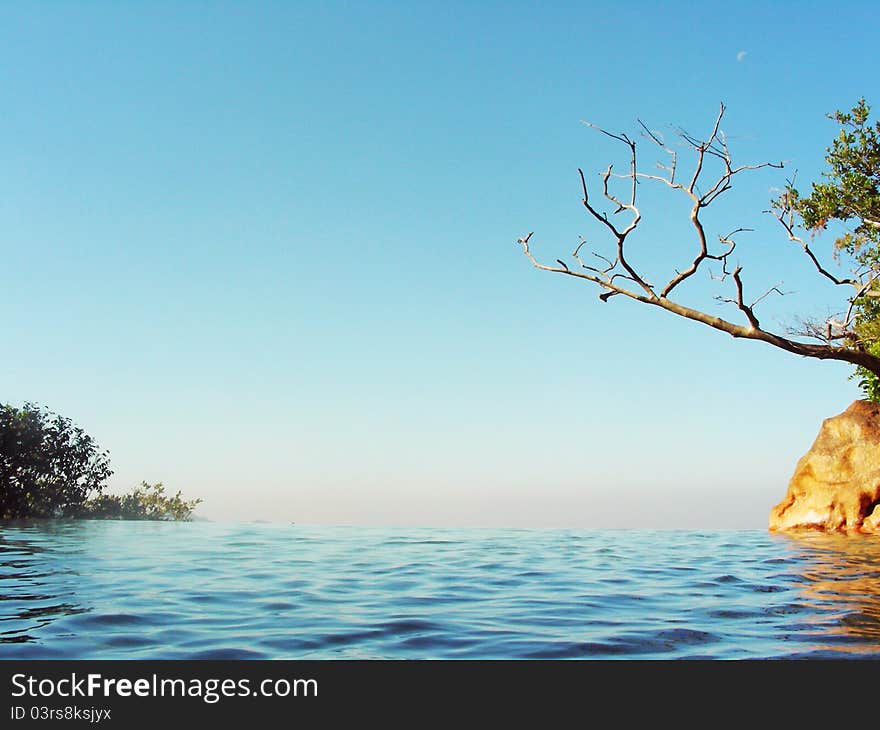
{"type": "Point", "coordinates": [146, 502]}
{"type": "Point", "coordinates": [49, 467]}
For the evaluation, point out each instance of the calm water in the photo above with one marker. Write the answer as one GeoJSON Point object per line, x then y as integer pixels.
{"type": "Point", "coordinates": [114, 590]}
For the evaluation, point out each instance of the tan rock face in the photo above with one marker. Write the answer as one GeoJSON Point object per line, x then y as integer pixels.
{"type": "Point", "coordinates": [836, 484]}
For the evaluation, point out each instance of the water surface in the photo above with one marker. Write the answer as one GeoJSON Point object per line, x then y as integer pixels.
{"type": "Point", "coordinates": [150, 590]}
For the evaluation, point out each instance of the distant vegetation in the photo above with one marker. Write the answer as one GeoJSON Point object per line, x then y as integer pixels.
{"type": "Point", "coordinates": [49, 467]}
{"type": "Point", "coordinates": [146, 502]}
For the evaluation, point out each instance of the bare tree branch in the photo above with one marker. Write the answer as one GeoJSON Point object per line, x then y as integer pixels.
{"type": "Point", "coordinates": [617, 268]}
{"type": "Point", "coordinates": [786, 219]}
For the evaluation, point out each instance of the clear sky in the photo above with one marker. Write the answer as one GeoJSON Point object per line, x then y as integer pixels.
{"type": "Point", "coordinates": [265, 253]}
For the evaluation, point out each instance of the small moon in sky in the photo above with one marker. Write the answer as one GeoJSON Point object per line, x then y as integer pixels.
{"type": "Point", "coordinates": [741, 55]}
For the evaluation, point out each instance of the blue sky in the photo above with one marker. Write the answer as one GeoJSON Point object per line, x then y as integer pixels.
{"type": "Point", "coordinates": [265, 253]}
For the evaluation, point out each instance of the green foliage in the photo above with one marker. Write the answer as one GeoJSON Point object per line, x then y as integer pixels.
{"type": "Point", "coordinates": [48, 466]}
{"type": "Point", "coordinates": [851, 192]}
{"type": "Point", "coordinates": [850, 196]}
{"type": "Point", "coordinates": [867, 326]}
{"type": "Point", "coordinates": [869, 383]}
{"type": "Point", "coordinates": [146, 502]}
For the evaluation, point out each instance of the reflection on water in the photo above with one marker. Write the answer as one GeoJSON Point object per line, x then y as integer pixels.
{"type": "Point", "coordinates": [112, 590]}
{"type": "Point", "coordinates": [36, 582]}
{"type": "Point", "coordinates": [840, 579]}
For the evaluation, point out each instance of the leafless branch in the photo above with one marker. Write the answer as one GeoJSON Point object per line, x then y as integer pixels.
{"type": "Point", "coordinates": [615, 269]}
{"type": "Point", "coordinates": [785, 216]}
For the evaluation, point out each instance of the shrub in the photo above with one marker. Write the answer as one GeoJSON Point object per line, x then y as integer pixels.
{"type": "Point", "coordinates": [146, 502]}
{"type": "Point", "coordinates": [49, 466]}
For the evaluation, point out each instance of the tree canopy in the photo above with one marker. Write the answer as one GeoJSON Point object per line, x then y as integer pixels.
{"type": "Point", "coordinates": [848, 197]}
{"type": "Point", "coordinates": [49, 467]}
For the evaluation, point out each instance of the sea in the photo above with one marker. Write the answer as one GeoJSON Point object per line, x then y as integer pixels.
{"type": "Point", "coordinates": [200, 590]}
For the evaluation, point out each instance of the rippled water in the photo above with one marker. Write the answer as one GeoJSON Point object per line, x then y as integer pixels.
{"type": "Point", "coordinates": [114, 590]}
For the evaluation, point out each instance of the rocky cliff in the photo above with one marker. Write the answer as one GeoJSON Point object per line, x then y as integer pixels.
{"type": "Point", "coordinates": [836, 484]}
